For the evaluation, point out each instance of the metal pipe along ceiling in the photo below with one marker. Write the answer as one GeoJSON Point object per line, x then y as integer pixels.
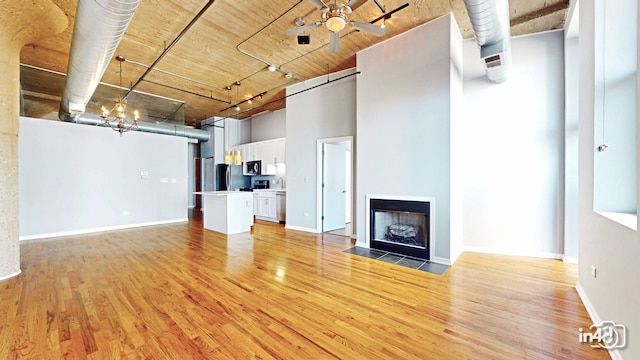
{"type": "Point", "coordinates": [490, 21]}
{"type": "Point", "coordinates": [98, 29]}
{"type": "Point", "coordinates": [164, 129]}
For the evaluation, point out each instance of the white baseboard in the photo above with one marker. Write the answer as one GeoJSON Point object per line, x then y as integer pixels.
{"type": "Point", "coordinates": [587, 304]}
{"type": "Point", "coordinates": [95, 230]}
{"type": "Point", "coordinates": [595, 318]}
{"type": "Point", "coordinates": [441, 260]}
{"type": "Point", "coordinates": [538, 254]}
{"type": "Point", "coordinates": [362, 244]}
{"type": "Point", "coordinates": [11, 275]}
{"type": "Point", "coordinates": [263, 218]}
{"type": "Point", "coordinates": [570, 260]}
{"type": "Point", "coordinates": [300, 228]}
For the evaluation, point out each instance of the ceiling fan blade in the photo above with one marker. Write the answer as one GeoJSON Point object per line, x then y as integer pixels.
{"type": "Point", "coordinates": [334, 43]}
{"type": "Point", "coordinates": [354, 4]}
{"type": "Point", "coordinates": [300, 29]}
{"type": "Point", "coordinates": [370, 28]}
{"type": "Point", "coordinates": [317, 3]}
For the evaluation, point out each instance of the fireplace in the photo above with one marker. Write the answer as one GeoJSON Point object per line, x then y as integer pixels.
{"type": "Point", "coordinates": [401, 225]}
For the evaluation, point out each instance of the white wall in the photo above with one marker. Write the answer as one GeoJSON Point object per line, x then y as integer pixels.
{"type": "Point", "coordinates": [79, 178]}
{"type": "Point", "coordinates": [571, 122]}
{"type": "Point", "coordinates": [269, 125]}
{"type": "Point", "coordinates": [404, 119]}
{"type": "Point", "coordinates": [514, 133]}
{"type": "Point", "coordinates": [457, 145]}
{"type": "Point", "coordinates": [612, 248]}
{"type": "Point", "coordinates": [325, 112]}
{"type": "Point", "coordinates": [191, 184]}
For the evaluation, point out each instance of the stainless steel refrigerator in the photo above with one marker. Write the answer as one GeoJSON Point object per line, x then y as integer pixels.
{"type": "Point", "coordinates": [229, 177]}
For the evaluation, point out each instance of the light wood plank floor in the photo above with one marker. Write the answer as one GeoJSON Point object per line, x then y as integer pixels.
{"type": "Point", "coordinates": [181, 292]}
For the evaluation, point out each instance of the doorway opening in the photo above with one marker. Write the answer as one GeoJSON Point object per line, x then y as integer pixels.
{"type": "Point", "coordinates": [335, 185]}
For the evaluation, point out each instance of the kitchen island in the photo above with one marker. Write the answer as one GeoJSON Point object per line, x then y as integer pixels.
{"type": "Point", "coordinates": [227, 212]}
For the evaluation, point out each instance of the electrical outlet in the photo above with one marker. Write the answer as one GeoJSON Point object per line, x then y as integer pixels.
{"type": "Point", "coordinates": [593, 270]}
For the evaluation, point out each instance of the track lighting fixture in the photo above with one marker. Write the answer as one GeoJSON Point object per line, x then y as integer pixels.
{"type": "Point", "coordinates": [272, 68]}
{"type": "Point", "coordinates": [237, 107]}
{"type": "Point", "coordinates": [288, 75]}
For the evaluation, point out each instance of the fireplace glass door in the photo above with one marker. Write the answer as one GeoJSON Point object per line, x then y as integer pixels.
{"type": "Point", "coordinates": [400, 226]}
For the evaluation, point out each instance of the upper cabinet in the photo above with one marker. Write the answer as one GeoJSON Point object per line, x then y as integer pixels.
{"type": "Point", "coordinates": [270, 152]}
{"type": "Point", "coordinates": [273, 156]}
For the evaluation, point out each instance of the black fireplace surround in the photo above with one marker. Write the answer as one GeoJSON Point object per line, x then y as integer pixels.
{"type": "Point", "coordinates": [400, 226]}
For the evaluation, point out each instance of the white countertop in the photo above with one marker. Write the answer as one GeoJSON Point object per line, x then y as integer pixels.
{"type": "Point", "coordinates": [269, 190]}
{"type": "Point", "coordinates": [222, 193]}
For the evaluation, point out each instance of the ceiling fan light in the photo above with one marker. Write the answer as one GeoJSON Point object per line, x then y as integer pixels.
{"type": "Point", "coordinates": [335, 23]}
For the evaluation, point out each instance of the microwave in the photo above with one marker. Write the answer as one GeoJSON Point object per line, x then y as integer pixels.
{"type": "Point", "coordinates": [253, 167]}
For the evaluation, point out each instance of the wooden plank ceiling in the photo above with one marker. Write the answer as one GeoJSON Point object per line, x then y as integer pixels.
{"type": "Point", "coordinates": [234, 41]}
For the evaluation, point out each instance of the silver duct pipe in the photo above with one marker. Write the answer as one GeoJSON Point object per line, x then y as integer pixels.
{"type": "Point", "coordinates": [98, 29]}
{"type": "Point", "coordinates": [164, 129]}
{"type": "Point", "coordinates": [490, 21]}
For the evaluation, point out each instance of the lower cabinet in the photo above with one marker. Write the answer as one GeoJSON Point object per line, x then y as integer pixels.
{"type": "Point", "coordinates": [265, 206]}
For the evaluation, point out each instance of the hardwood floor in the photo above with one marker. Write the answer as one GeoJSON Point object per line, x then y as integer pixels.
{"type": "Point", "coordinates": [345, 231]}
{"type": "Point", "coordinates": [181, 292]}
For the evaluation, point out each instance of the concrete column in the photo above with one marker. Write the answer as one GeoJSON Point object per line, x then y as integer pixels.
{"type": "Point", "coordinates": [21, 23]}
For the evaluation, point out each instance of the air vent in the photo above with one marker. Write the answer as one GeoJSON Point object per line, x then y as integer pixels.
{"type": "Point", "coordinates": [492, 61]}
{"type": "Point", "coordinates": [492, 55]}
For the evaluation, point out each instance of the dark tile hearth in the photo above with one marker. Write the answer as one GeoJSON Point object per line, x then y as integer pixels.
{"type": "Point", "coordinates": [406, 261]}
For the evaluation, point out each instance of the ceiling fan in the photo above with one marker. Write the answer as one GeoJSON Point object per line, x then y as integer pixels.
{"type": "Point", "coordinates": [335, 16]}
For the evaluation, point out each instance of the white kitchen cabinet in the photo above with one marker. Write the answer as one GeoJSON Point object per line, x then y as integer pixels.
{"type": "Point", "coordinates": [250, 150]}
{"type": "Point", "coordinates": [265, 205]}
{"type": "Point", "coordinates": [273, 154]}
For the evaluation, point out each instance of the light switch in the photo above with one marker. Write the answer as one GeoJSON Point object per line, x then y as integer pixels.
{"type": "Point", "coordinates": [173, 180]}
{"type": "Point", "coordinates": [164, 180]}
{"type": "Point", "coordinates": [144, 175]}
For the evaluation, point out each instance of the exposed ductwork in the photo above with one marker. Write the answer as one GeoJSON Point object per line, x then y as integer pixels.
{"type": "Point", "coordinates": [156, 128]}
{"type": "Point", "coordinates": [98, 29]}
{"type": "Point", "coordinates": [490, 21]}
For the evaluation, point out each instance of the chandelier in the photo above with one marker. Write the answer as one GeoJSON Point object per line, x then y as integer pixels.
{"type": "Point", "coordinates": [119, 123]}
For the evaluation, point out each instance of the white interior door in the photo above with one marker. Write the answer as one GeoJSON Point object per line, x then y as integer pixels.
{"type": "Point", "coordinates": [333, 190]}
